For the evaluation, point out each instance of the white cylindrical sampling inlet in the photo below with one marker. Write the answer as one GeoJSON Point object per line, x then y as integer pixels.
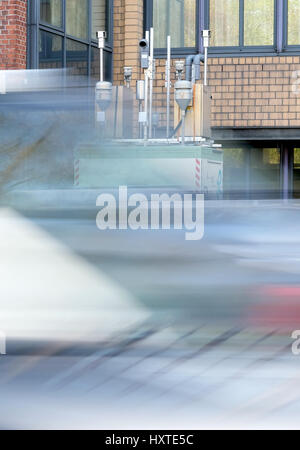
{"type": "Point", "coordinates": [140, 90]}
{"type": "Point", "coordinates": [206, 40]}
{"type": "Point", "coordinates": [183, 97]}
{"type": "Point", "coordinates": [103, 94]}
{"type": "Point", "coordinates": [101, 35]}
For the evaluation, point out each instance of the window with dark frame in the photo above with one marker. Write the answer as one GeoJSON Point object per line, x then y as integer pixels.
{"type": "Point", "coordinates": [237, 26]}
{"type": "Point", "coordinates": [62, 33]}
{"type": "Point", "coordinates": [176, 18]}
{"type": "Point", "coordinates": [243, 24]}
{"type": "Point", "coordinates": [292, 13]}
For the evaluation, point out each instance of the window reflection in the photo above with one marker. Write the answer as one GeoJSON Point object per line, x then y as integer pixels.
{"type": "Point", "coordinates": [235, 170]}
{"type": "Point", "coordinates": [251, 171]}
{"type": "Point", "coordinates": [224, 22]}
{"type": "Point", "coordinates": [77, 18]}
{"type": "Point", "coordinates": [51, 12]}
{"type": "Point", "coordinates": [259, 22]}
{"type": "Point", "coordinates": [98, 17]}
{"type": "Point", "coordinates": [50, 51]}
{"type": "Point", "coordinates": [293, 22]}
{"type": "Point", "coordinates": [77, 57]}
{"type": "Point", "coordinates": [95, 65]}
{"type": "Point", "coordinates": [176, 18]}
{"type": "Point", "coordinates": [265, 170]}
{"type": "Point", "coordinates": [296, 174]}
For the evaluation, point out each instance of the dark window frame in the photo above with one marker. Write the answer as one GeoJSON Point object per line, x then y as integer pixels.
{"type": "Point", "coordinates": [176, 51]}
{"type": "Point", "coordinates": [280, 46]}
{"type": "Point", "coordinates": [241, 48]}
{"type": "Point", "coordinates": [62, 16]}
{"type": "Point", "coordinates": [286, 47]}
{"type": "Point", "coordinates": [54, 54]}
{"type": "Point", "coordinates": [35, 24]}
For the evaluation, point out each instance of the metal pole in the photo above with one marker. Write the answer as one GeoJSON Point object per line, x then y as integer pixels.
{"type": "Point", "coordinates": [146, 98]}
{"type": "Point", "coordinates": [183, 128]}
{"type": "Point", "coordinates": [206, 39]}
{"type": "Point", "coordinates": [140, 125]}
{"type": "Point", "coordinates": [205, 65]}
{"type": "Point", "coordinates": [285, 183]}
{"type": "Point", "coordinates": [168, 77]}
{"type": "Point", "coordinates": [101, 35]}
{"type": "Point", "coordinates": [146, 108]}
{"type": "Point", "coordinates": [101, 65]}
{"type": "Point", "coordinates": [151, 79]}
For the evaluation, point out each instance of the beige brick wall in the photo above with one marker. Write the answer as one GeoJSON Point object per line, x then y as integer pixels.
{"type": "Point", "coordinates": [128, 30]}
{"type": "Point", "coordinates": [246, 91]}
{"type": "Point", "coordinates": [254, 92]}
{"type": "Point", "coordinates": [160, 91]}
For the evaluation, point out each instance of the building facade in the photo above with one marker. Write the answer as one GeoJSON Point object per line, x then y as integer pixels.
{"type": "Point", "coordinates": [254, 68]}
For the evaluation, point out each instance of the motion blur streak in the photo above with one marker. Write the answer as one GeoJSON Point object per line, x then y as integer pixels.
{"type": "Point", "coordinates": [67, 301]}
{"type": "Point", "coordinates": [135, 329]}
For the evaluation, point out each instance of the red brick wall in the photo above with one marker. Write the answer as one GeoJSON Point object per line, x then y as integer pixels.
{"type": "Point", "coordinates": [13, 14]}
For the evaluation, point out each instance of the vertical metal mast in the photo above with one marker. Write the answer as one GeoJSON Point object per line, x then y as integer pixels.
{"type": "Point", "coordinates": [101, 35]}
{"type": "Point", "coordinates": [206, 37]}
{"type": "Point", "coordinates": [146, 98]}
{"type": "Point", "coordinates": [168, 80]}
{"type": "Point", "coordinates": [151, 79]}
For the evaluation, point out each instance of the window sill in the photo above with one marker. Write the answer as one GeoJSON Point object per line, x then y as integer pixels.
{"type": "Point", "coordinates": [176, 52]}
{"type": "Point", "coordinates": [183, 53]}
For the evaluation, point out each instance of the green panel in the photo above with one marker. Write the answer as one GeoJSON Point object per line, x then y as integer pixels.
{"type": "Point", "coordinates": [136, 172]}
{"type": "Point", "coordinates": [157, 152]}
{"type": "Point", "coordinates": [142, 166]}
